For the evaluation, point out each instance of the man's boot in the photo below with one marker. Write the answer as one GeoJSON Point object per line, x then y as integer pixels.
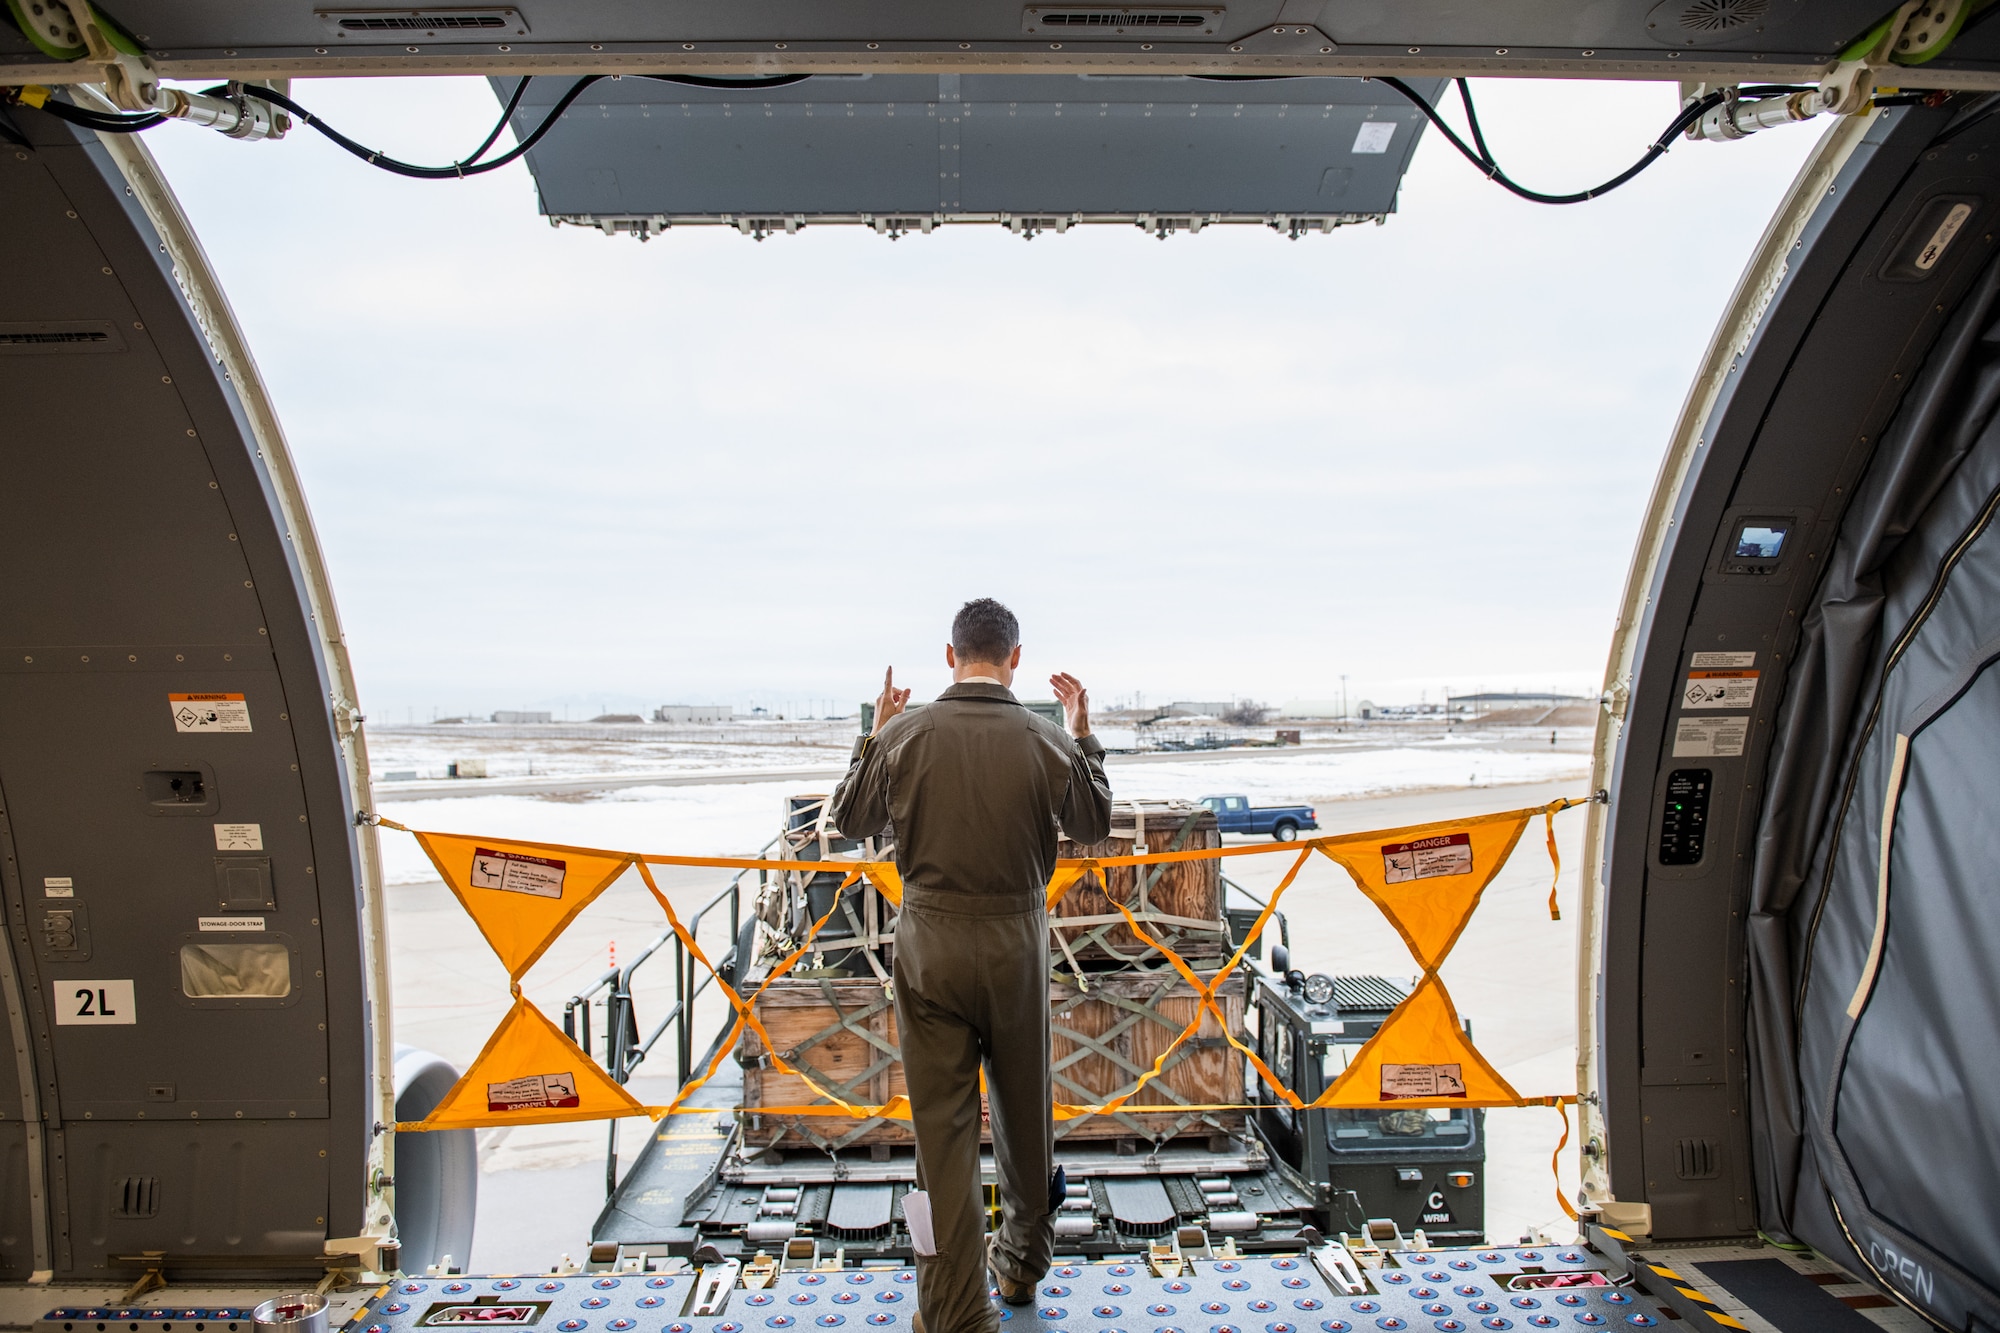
{"type": "Point", "coordinates": [1012, 1292]}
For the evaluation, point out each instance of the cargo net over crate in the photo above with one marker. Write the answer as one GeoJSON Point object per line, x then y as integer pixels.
{"type": "Point", "coordinates": [1146, 1003]}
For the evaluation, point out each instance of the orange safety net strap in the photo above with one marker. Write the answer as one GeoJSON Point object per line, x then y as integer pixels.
{"type": "Point", "coordinates": [1562, 1104]}
{"type": "Point", "coordinates": [519, 894]}
{"type": "Point", "coordinates": [746, 1013]}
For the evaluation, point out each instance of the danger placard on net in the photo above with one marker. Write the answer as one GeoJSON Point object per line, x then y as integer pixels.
{"type": "Point", "coordinates": [515, 872]}
{"type": "Point", "coordinates": [536, 1092]}
{"type": "Point", "coordinates": [1427, 858]}
{"type": "Point", "coordinates": [1410, 1082]}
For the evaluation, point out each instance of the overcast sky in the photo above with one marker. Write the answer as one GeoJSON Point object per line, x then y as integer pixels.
{"type": "Point", "coordinates": [559, 470]}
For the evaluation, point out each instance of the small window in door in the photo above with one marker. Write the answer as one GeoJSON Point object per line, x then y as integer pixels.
{"type": "Point", "coordinates": [227, 971]}
{"type": "Point", "coordinates": [1235, 803]}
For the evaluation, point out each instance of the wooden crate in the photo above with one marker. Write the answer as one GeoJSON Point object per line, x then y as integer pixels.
{"type": "Point", "coordinates": [1143, 1012]}
{"type": "Point", "coordinates": [818, 1024]}
{"type": "Point", "coordinates": [1188, 889]}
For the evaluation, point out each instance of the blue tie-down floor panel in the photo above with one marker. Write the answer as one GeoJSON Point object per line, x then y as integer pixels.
{"type": "Point", "coordinates": [1448, 1291]}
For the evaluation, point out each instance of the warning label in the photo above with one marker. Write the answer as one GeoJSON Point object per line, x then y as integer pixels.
{"type": "Point", "coordinates": [1722, 660]}
{"type": "Point", "coordinates": [1710, 737]}
{"type": "Point", "coordinates": [511, 872]}
{"type": "Point", "coordinates": [1719, 689]}
{"type": "Point", "coordinates": [210, 712]}
{"type": "Point", "coordinates": [536, 1092]}
{"type": "Point", "coordinates": [1405, 1082]}
{"type": "Point", "coordinates": [1427, 858]}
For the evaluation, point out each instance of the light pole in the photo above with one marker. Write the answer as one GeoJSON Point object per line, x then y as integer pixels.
{"type": "Point", "coordinates": [1343, 697]}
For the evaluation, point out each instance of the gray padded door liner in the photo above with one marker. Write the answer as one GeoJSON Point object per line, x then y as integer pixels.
{"type": "Point", "coordinates": [1920, 1046]}
{"type": "Point", "coordinates": [1875, 1137]}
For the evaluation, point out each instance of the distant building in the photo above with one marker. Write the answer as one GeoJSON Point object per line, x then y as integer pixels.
{"type": "Point", "coordinates": [516, 719]}
{"type": "Point", "coordinates": [618, 717]}
{"type": "Point", "coordinates": [694, 713]}
{"type": "Point", "coordinates": [1199, 708]}
{"type": "Point", "coordinates": [1504, 700]}
{"type": "Point", "coordinates": [1312, 708]}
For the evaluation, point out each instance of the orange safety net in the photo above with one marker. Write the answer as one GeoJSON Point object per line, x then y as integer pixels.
{"type": "Point", "coordinates": [1426, 879]}
{"type": "Point", "coordinates": [1420, 1057]}
{"type": "Point", "coordinates": [530, 1074]}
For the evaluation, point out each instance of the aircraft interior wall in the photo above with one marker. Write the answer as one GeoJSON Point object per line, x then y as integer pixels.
{"type": "Point", "coordinates": [189, 1057]}
{"type": "Point", "coordinates": [1848, 462]}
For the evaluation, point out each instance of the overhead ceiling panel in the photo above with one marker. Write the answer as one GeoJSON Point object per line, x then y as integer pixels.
{"type": "Point", "coordinates": [909, 152]}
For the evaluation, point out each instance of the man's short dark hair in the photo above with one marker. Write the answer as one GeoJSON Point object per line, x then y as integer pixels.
{"type": "Point", "coordinates": [984, 631]}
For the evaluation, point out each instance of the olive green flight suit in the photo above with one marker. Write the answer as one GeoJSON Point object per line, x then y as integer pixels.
{"type": "Point", "coordinates": [974, 788]}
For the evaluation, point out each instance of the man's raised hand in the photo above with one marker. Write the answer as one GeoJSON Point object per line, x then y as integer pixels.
{"type": "Point", "coordinates": [890, 702]}
{"type": "Point", "coordinates": [1075, 701]}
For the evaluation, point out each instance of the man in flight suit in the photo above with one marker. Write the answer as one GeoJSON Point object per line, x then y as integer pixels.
{"type": "Point", "coordinates": [974, 788]}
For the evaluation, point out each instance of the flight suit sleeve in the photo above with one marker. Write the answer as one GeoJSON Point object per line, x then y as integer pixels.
{"type": "Point", "coordinates": [861, 801]}
{"type": "Point", "coordinates": [1086, 810]}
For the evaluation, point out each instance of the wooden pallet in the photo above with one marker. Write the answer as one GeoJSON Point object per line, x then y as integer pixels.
{"type": "Point", "coordinates": [844, 1031]}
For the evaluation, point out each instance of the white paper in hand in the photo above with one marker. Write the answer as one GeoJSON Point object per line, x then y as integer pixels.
{"type": "Point", "coordinates": [917, 1216]}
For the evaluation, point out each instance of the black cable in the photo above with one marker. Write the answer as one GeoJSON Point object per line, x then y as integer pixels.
{"type": "Point", "coordinates": [458, 170]}
{"type": "Point", "coordinates": [466, 166]}
{"type": "Point", "coordinates": [1472, 119]}
{"type": "Point", "coordinates": [1693, 112]}
{"type": "Point", "coordinates": [717, 81]}
{"type": "Point", "coordinates": [506, 115]}
{"type": "Point", "coordinates": [102, 121]}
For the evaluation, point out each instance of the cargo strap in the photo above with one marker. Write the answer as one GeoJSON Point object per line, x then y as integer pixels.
{"type": "Point", "coordinates": [1426, 879]}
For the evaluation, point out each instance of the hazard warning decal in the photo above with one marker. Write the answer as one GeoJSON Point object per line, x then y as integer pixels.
{"type": "Point", "coordinates": [513, 872]}
{"type": "Point", "coordinates": [1406, 1082]}
{"type": "Point", "coordinates": [1427, 858]}
{"type": "Point", "coordinates": [536, 1092]}
{"type": "Point", "coordinates": [1719, 689]}
{"type": "Point", "coordinates": [209, 712]}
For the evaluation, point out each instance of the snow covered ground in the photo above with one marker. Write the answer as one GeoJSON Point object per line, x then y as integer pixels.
{"type": "Point", "coordinates": [559, 749]}
{"type": "Point", "coordinates": [730, 819]}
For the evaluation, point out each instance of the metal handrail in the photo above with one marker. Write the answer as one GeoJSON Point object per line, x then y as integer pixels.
{"type": "Point", "coordinates": [623, 1050]}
